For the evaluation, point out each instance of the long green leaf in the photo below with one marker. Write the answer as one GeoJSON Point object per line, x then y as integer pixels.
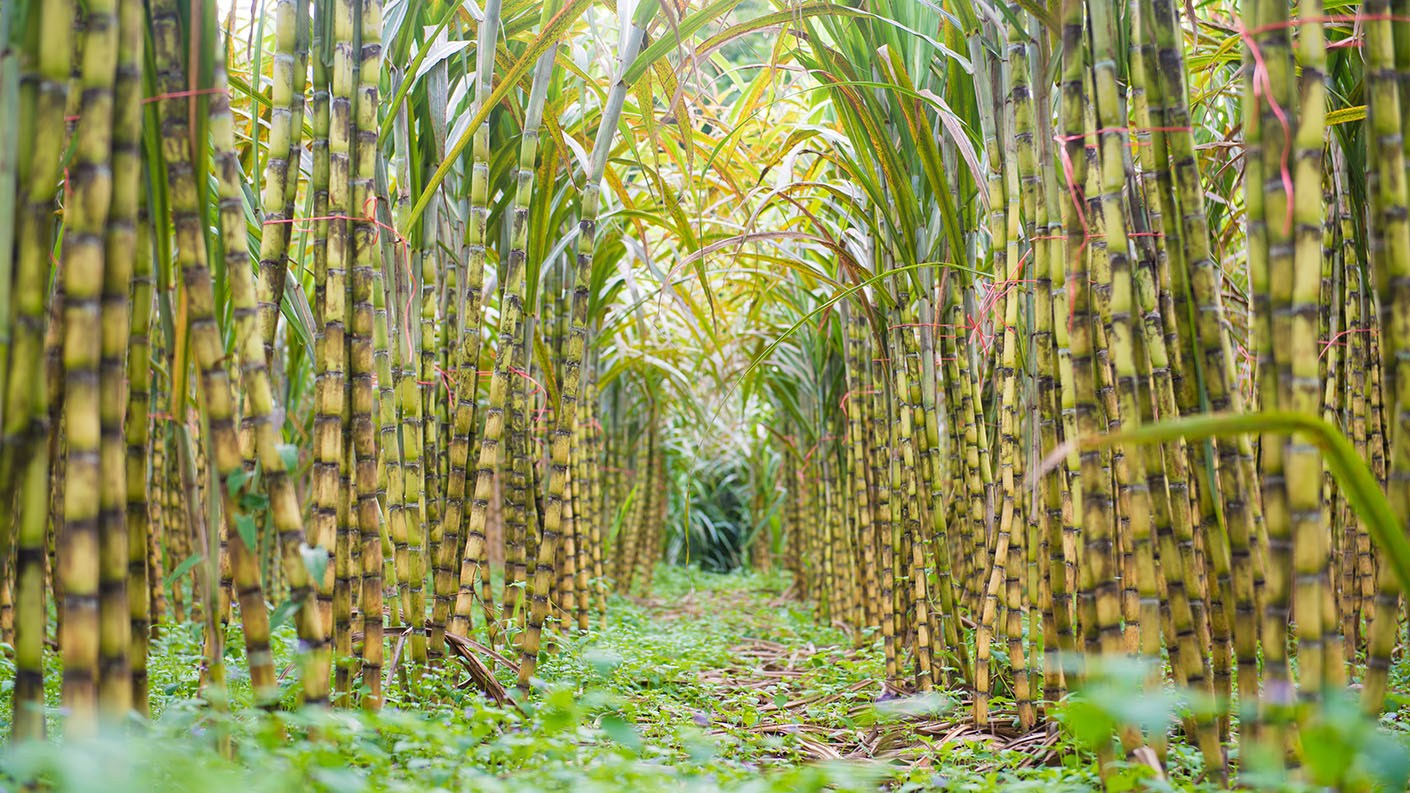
{"type": "Point", "coordinates": [1358, 484]}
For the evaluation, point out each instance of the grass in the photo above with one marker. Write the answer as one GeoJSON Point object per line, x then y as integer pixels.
{"type": "Point", "coordinates": [718, 682]}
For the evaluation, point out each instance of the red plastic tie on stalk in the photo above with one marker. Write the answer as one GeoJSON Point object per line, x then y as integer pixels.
{"type": "Point", "coordinates": [812, 450]}
{"type": "Point", "coordinates": [1334, 340]}
{"type": "Point", "coordinates": [974, 325]}
{"type": "Point", "coordinates": [1078, 203]}
{"type": "Point", "coordinates": [184, 94]}
{"type": "Point", "coordinates": [1353, 41]}
{"type": "Point", "coordinates": [842, 403]}
{"type": "Point", "coordinates": [444, 378]}
{"type": "Point", "coordinates": [1078, 197]}
{"type": "Point", "coordinates": [1328, 19]}
{"type": "Point", "coordinates": [370, 217]}
{"type": "Point", "coordinates": [538, 415]}
{"type": "Point", "coordinates": [1245, 375]}
{"type": "Point", "coordinates": [447, 376]}
{"type": "Point", "coordinates": [1263, 89]}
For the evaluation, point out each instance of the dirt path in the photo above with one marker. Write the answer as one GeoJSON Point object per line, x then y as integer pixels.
{"type": "Point", "coordinates": [824, 697]}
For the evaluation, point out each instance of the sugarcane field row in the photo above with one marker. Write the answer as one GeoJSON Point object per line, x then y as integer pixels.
{"type": "Point", "coordinates": [704, 394]}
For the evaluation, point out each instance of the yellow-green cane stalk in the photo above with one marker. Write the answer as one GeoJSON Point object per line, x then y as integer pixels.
{"type": "Point", "coordinates": [143, 534]}
{"type": "Point", "coordinates": [279, 177]}
{"type": "Point", "coordinates": [1303, 463]}
{"type": "Point", "coordinates": [208, 351]}
{"type": "Point", "coordinates": [1231, 595]}
{"type": "Point", "coordinates": [511, 334]}
{"type": "Point", "coordinates": [1117, 312]}
{"type": "Point", "coordinates": [366, 262]}
{"type": "Point", "coordinates": [45, 61]}
{"type": "Point", "coordinates": [82, 635]}
{"type": "Point", "coordinates": [578, 342]}
{"type": "Point", "coordinates": [121, 590]}
{"type": "Point", "coordinates": [471, 564]}
{"type": "Point", "coordinates": [1391, 263]}
{"type": "Point", "coordinates": [332, 255]}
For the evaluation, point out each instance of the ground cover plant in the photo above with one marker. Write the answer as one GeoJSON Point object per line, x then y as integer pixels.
{"type": "Point", "coordinates": [391, 391]}
{"type": "Point", "coordinates": [659, 699]}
